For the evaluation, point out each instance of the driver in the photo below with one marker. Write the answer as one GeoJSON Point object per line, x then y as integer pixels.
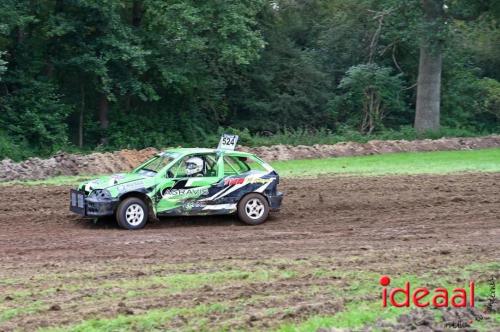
{"type": "Point", "coordinates": [194, 166]}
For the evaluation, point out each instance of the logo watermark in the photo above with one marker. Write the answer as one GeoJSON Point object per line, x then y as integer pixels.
{"type": "Point", "coordinates": [440, 297]}
{"type": "Point", "coordinates": [423, 297]}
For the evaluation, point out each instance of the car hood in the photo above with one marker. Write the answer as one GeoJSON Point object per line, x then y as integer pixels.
{"type": "Point", "coordinates": [111, 180]}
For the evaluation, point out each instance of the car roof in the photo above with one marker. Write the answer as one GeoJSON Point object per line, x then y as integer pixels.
{"type": "Point", "coordinates": [187, 151]}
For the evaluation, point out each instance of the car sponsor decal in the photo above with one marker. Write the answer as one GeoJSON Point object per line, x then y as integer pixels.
{"type": "Point", "coordinates": [259, 180]}
{"type": "Point", "coordinates": [193, 204]}
{"type": "Point", "coordinates": [233, 181]}
{"type": "Point", "coordinates": [130, 186]}
{"type": "Point", "coordinates": [247, 180]}
{"type": "Point", "coordinates": [220, 207]}
{"type": "Point", "coordinates": [236, 183]}
{"type": "Point", "coordinates": [216, 194]}
{"type": "Point", "coordinates": [226, 192]}
{"type": "Point", "coordinates": [263, 187]}
{"type": "Point", "coordinates": [184, 192]}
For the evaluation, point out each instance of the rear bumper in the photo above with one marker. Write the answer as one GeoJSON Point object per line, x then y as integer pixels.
{"type": "Point", "coordinates": [275, 201]}
{"type": "Point", "coordinates": [91, 207]}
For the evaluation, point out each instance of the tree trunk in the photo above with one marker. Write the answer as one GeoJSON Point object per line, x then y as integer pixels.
{"type": "Point", "coordinates": [103, 118]}
{"type": "Point", "coordinates": [136, 13]}
{"type": "Point", "coordinates": [429, 71]}
{"type": "Point", "coordinates": [428, 90]}
{"type": "Point", "coordinates": [53, 43]}
{"type": "Point", "coordinates": [80, 120]}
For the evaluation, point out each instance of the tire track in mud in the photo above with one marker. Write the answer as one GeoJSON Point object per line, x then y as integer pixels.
{"type": "Point", "coordinates": [392, 224]}
{"type": "Point", "coordinates": [419, 209]}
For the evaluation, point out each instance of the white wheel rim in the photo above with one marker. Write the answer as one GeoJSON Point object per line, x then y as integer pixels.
{"type": "Point", "coordinates": [254, 208]}
{"type": "Point", "coordinates": [134, 215]}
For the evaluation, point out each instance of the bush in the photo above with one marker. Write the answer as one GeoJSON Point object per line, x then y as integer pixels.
{"type": "Point", "coordinates": [10, 149]}
{"type": "Point", "coordinates": [370, 94]}
{"type": "Point", "coordinates": [471, 103]}
{"type": "Point", "coordinates": [34, 116]}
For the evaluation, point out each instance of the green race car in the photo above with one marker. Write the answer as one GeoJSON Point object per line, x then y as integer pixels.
{"type": "Point", "coordinates": [183, 182]}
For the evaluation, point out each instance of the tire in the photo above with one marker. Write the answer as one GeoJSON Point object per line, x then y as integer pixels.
{"type": "Point", "coordinates": [132, 213]}
{"type": "Point", "coordinates": [253, 209]}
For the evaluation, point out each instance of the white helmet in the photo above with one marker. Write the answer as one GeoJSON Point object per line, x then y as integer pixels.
{"type": "Point", "coordinates": [194, 165]}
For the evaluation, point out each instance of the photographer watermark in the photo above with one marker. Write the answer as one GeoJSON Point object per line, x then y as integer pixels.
{"type": "Point", "coordinates": [492, 298]}
{"type": "Point", "coordinates": [439, 297]}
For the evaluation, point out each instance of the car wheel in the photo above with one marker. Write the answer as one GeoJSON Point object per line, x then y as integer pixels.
{"type": "Point", "coordinates": [132, 213]}
{"type": "Point", "coordinates": [253, 209]}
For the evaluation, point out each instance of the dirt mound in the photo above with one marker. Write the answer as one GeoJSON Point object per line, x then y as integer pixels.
{"type": "Point", "coordinates": [74, 164]}
{"type": "Point", "coordinates": [125, 160]}
{"type": "Point", "coordinates": [288, 152]}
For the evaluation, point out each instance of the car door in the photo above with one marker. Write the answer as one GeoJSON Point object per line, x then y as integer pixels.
{"type": "Point", "coordinates": [186, 195]}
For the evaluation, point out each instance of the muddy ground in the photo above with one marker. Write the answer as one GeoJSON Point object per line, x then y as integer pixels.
{"type": "Point", "coordinates": [58, 270]}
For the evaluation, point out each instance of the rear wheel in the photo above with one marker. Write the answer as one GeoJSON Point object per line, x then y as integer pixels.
{"type": "Point", "coordinates": [132, 213]}
{"type": "Point", "coordinates": [253, 209]}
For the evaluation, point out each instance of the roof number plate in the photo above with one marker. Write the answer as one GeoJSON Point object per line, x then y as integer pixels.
{"type": "Point", "coordinates": [228, 142]}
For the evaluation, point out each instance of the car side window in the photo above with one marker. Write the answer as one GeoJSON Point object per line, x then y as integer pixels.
{"type": "Point", "coordinates": [253, 164]}
{"type": "Point", "coordinates": [211, 165]}
{"type": "Point", "coordinates": [206, 162]}
{"type": "Point", "coordinates": [233, 166]}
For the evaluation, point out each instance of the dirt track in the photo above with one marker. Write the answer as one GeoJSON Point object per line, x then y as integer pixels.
{"type": "Point", "coordinates": [390, 225]}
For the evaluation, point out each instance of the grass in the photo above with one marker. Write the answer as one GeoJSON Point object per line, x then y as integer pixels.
{"type": "Point", "coordinates": [438, 162]}
{"type": "Point", "coordinates": [356, 314]}
{"type": "Point", "coordinates": [359, 314]}
{"type": "Point", "coordinates": [149, 285]}
{"type": "Point", "coordinates": [7, 314]}
{"type": "Point", "coordinates": [149, 321]}
{"type": "Point", "coordinates": [53, 181]}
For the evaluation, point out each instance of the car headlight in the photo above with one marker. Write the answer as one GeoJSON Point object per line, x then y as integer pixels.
{"type": "Point", "coordinates": [100, 194]}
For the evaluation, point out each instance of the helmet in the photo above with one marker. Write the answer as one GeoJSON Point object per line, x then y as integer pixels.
{"type": "Point", "coordinates": [194, 165]}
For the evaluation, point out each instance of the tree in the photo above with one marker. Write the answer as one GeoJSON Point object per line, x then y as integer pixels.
{"type": "Point", "coordinates": [436, 13]}
{"type": "Point", "coordinates": [427, 112]}
{"type": "Point", "coordinates": [373, 90]}
{"type": "Point", "coordinates": [101, 47]}
{"type": "Point", "coordinates": [138, 73]}
{"type": "Point", "coordinates": [3, 64]}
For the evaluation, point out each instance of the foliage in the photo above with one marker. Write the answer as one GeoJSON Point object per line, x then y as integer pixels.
{"type": "Point", "coordinates": [34, 116]}
{"type": "Point", "coordinates": [3, 66]}
{"type": "Point", "coordinates": [370, 94]}
{"type": "Point", "coordinates": [490, 97]}
{"type": "Point", "coordinates": [104, 75]}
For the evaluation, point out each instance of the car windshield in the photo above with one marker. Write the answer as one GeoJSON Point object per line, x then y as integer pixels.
{"type": "Point", "coordinates": [153, 166]}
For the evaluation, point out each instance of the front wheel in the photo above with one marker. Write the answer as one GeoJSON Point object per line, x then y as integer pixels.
{"type": "Point", "coordinates": [132, 213]}
{"type": "Point", "coordinates": [253, 209]}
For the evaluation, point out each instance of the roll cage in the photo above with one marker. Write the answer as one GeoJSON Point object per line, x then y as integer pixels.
{"type": "Point", "coordinates": [218, 163]}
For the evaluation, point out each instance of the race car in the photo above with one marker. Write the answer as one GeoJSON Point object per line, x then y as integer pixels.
{"type": "Point", "coordinates": [184, 182]}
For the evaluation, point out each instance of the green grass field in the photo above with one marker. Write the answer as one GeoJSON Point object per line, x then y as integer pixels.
{"type": "Point", "coordinates": [439, 162]}
{"type": "Point", "coordinates": [358, 312]}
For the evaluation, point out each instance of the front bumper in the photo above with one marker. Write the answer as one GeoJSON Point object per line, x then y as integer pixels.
{"type": "Point", "coordinates": [275, 201]}
{"type": "Point", "coordinates": [91, 207]}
